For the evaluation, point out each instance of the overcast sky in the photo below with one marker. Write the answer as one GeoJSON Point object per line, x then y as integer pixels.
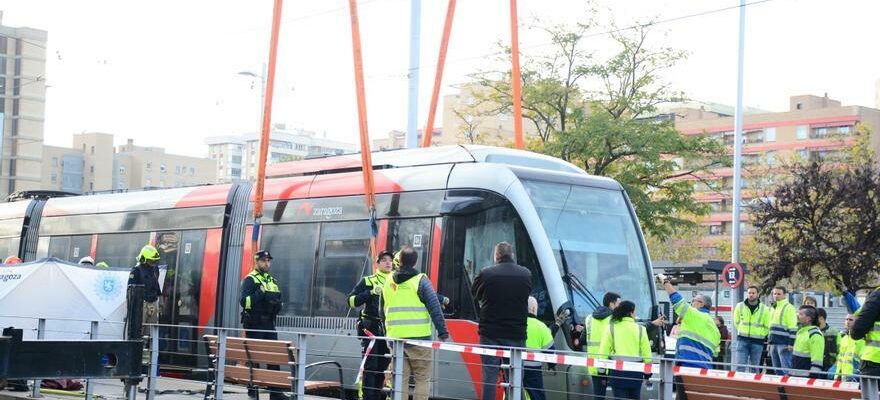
{"type": "Point", "coordinates": [165, 73]}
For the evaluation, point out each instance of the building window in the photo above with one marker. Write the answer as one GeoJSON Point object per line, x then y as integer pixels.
{"type": "Point", "coordinates": [771, 157]}
{"type": "Point", "coordinates": [799, 106]}
{"type": "Point", "coordinates": [714, 230]}
{"type": "Point", "coordinates": [192, 170]}
{"type": "Point", "coordinates": [802, 132]}
{"type": "Point", "coordinates": [54, 178]}
{"type": "Point", "coordinates": [163, 168]}
{"type": "Point", "coordinates": [177, 170]}
{"type": "Point", "coordinates": [843, 130]}
{"type": "Point", "coordinates": [54, 161]}
{"type": "Point", "coordinates": [804, 154]}
{"type": "Point", "coordinates": [770, 134]}
{"type": "Point", "coordinates": [93, 149]}
{"type": "Point", "coordinates": [91, 186]}
{"type": "Point", "coordinates": [92, 169]}
{"type": "Point", "coordinates": [149, 166]}
{"type": "Point", "coordinates": [121, 170]}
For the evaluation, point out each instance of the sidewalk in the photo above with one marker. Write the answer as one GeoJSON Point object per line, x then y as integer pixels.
{"type": "Point", "coordinates": [166, 389]}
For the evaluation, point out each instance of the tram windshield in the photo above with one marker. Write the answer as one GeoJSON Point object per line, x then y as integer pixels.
{"type": "Point", "coordinates": [596, 244]}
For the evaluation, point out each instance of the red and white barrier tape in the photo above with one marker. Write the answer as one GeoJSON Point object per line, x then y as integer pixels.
{"type": "Point", "coordinates": [631, 366]}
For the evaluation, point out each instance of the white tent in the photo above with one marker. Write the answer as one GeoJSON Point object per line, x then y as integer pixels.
{"type": "Point", "coordinates": [68, 296]}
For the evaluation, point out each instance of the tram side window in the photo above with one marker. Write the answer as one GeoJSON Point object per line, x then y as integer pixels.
{"type": "Point", "coordinates": [120, 250]}
{"type": "Point", "coordinates": [488, 228]}
{"type": "Point", "coordinates": [70, 248]}
{"type": "Point", "coordinates": [293, 249]}
{"type": "Point", "coordinates": [344, 251]}
{"type": "Point", "coordinates": [411, 232]}
{"type": "Point", "coordinates": [9, 246]}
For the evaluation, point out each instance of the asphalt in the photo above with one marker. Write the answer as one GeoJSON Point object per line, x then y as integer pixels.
{"type": "Point", "coordinates": [166, 389]}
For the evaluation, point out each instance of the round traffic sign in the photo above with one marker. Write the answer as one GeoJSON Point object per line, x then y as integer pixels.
{"type": "Point", "coordinates": [733, 275]}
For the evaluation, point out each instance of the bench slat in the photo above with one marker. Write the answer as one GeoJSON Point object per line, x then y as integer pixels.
{"type": "Point", "coordinates": [814, 393]}
{"type": "Point", "coordinates": [729, 387]}
{"type": "Point", "coordinates": [263, 377]}
{"type": "Point", "coordinates": [259, 357]}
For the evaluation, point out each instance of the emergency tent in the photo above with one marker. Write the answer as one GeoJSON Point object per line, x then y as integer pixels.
{"type": "Point", "coordinates": [68, 296]}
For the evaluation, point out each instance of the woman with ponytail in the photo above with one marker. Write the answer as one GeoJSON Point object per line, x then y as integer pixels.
{"type": "Point", "coordinates": [628, 341]}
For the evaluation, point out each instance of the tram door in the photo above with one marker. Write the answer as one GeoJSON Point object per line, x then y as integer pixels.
{"type": "Point", "coordinates": [182, 254]}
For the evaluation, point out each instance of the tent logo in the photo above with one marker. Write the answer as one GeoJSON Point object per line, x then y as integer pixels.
{"type": "Point", "coordinates": [107, 286]}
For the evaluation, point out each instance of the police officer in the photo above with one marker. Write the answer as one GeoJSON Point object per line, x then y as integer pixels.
{"type": "Point", "coordinates": [367, 293]}
{"type": "Point", "coordinates": [146, 273]}
{"type": "Point", "coordinates": [261, 302]}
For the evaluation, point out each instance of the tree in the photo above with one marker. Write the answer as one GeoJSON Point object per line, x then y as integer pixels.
{"type": "Point", "coordinates": [600, 115]}
{"type": "Point", "coordinates": [823, 226]}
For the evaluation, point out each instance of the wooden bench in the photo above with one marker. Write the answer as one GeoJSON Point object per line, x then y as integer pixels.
{"type": "Point", "coordinates": [247, 361]}
{"type": "Point", "coordinates": [698, 387]}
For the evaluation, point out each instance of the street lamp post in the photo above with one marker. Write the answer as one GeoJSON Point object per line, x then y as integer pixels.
{"type": "Point", "coordinates": [262, 78]}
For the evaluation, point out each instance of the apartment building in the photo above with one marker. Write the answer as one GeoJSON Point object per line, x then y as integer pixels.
{"type": "Point", "coordinates": [237, 156]}
{"type": "Point", "coordinates": [814, 127]}
{"type": "Point", "coordinates": [137, 167]}
{"type": "Point", "coordinates": [22, 107]}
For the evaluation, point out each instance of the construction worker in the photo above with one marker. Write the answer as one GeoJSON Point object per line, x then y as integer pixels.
{"type": "Point", "coordinates": [698, 336]}
{"type": "Point", "coordinates": [867, 326]}
{"type": "Point", "coordinates": [367, 293]}
{"type": "Point", "coordinates": [87, 261]}
{"type": "Point", "coordinates": [849, 354]}
{"type": "Point", "coordinates": [594, 327]}
{"type": "Point", "coordinates": [261, 302]}
{"type": "Point", "coordinates": [538, 337]}
{"type": "Point", "coordinates": [146, 273]}
{"type": "Point", "coordinates": [832, 340]}
{"type": "Point", "coordinates": [783, 329]}
{"type": "Point", "coordinates": [809, 345]}
{"type": "Point", "coordinates": [12, 260]}
{"type": "Point", "coordinates": [102, 264]}
{"type": "Point", "coordinates": [626, 340]}
{"type": "Point", "coordinates": [752, 321]}
{"type": "Point", "coordinates": [409, 306]}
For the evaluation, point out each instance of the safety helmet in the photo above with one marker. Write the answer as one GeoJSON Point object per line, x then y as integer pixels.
{"type": "Point", "coordinates": [102, 264]}
{"type": "Point", "coordinates": [12, 260]}
{"type": "Point", "coordinates": [148, 253]}
{"type": "Point", "coordinates": [263, 255]}
{"type": "Point", "coordinates": [384, 253]}
{"type": "Point", "coordinates": [87, 260]}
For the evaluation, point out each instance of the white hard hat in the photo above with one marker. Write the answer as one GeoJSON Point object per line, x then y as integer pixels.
{"type": "Point", "coordinates": [87, 260]}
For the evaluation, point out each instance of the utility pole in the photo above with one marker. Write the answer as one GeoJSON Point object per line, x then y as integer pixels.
{"type": "Point", "coordinates": [737, 151]}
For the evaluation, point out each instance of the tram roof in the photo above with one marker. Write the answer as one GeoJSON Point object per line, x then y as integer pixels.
{"type": "Point", "coordinates": [438, 155]}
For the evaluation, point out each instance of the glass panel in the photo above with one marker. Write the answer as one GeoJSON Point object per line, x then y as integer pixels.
{"type": "Point", "coordinates": [293, 248]}
{"type": "Point", "coordinates": [185, 305]}
{"type": "Point", "coordinates": [601, 245]}
{"type": "Point", "coordinates": [120, 250]}
{"type": "Point", "coordinates": [411, 232]}
{"type": "Point", "coordinates": [344, 251]}
{"type": "Point", "coordinates": [70, 248]}
{"type": "Point", "coordinates": [9, 247]}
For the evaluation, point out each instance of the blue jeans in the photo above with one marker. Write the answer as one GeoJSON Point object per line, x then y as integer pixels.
{"type": "Point", "coordinates": [748, 352]}
{"type": "Point", "coordinates": [781, 358]}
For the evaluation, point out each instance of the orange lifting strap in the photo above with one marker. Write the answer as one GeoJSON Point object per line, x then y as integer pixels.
{"type": "Point", "coordinates": [516, 81]}
{"type": "Point", "coordinates": [267, 119]}
{"type": "Point", "coordinates": [366, 160]}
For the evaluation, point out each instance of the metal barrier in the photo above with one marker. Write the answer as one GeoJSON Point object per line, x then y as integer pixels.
{"type": "Point", "coordinates": [166, 341]}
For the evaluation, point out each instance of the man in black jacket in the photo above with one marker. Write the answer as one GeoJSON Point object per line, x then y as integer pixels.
{"type": "Point", "coordinates": [867, 318]}
{"type": "Point", "coordinates": [502, 292]}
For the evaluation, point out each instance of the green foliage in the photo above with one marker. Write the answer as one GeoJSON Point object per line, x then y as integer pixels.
{"type": "Point", "coordinates": [610, 129]}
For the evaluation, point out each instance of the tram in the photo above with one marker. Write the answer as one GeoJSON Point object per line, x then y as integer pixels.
{"type": "Point", "coordinates": [578, 235]}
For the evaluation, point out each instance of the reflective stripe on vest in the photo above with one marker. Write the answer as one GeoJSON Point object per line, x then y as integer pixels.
{"type": "Point", "coordinates": [751, 325]}
{"type": "Point", "coordinates": [594, 329]}
{"type": "Point", "coordinates": [615, 356]}
{"type": "Point", "coordinates": [872, 342]}
{"type": "Point", "coordinates": [268, 284]}
{"type": "Point", "coordinates": [405, 314]}
{"type": "Point", "coordinates": [778, 328]}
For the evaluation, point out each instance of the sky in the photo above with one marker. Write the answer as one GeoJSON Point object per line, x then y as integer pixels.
{"type": "Point", "coordinates": [166, 72]}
